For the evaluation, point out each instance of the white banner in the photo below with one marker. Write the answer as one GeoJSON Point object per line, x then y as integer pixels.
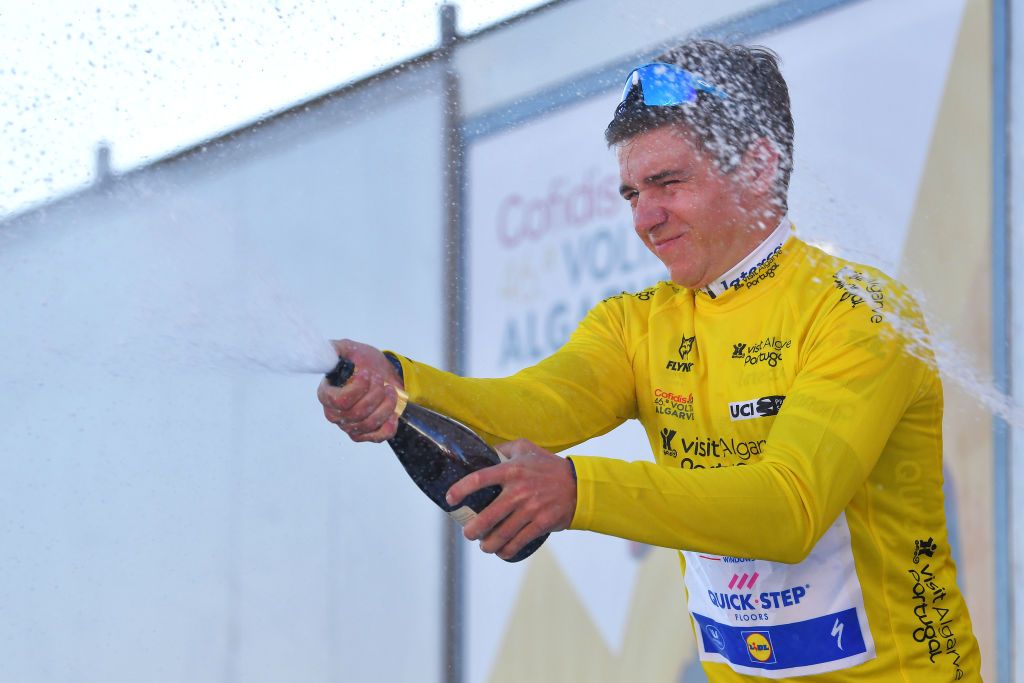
{"type": "Point", "coordinates": [548, 237]}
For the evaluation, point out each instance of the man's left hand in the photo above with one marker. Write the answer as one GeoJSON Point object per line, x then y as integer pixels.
{"type": "Point", "coordinates": [538, 495]}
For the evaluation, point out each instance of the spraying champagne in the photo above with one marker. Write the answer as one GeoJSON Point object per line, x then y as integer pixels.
{"type": "Point", "coordinates": [437, 451]}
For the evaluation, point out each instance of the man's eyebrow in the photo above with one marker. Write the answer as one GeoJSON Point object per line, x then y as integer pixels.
{"type": "Point", "coordinates": [651, 179]}
{"type": "Point", "coordinates": [661, 176]}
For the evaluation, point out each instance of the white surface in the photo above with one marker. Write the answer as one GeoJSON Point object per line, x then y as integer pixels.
{"type": "Point", "coordinates": [576, 37]}
{"type": "Point", "coordinates": [548, 236]}
{"type": "Point", "coordinates": [150, 78]}
{"type": "Point", "coordinates": [172, 512]}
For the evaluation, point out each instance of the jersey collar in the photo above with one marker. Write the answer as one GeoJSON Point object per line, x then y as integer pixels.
{"type": "Point", "coordinates": [746, 272]}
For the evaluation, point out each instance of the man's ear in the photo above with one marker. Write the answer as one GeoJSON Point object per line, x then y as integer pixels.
{"type": "Point", "coordinates": [759, 168]}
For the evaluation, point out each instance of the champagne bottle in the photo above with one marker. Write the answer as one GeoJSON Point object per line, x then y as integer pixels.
{"type": "Point", "coordinates": [436, 451]}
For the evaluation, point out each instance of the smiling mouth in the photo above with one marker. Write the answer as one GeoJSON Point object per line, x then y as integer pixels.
{"type": "Point", "coordinates": [662, 244]}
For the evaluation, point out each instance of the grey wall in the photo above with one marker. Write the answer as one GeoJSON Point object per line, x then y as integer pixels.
{"type": "Point", "coordinates": [172, 505]}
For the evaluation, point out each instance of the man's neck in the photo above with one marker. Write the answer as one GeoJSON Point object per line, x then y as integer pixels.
{"type": "Point", "coordinates": [764, 251]}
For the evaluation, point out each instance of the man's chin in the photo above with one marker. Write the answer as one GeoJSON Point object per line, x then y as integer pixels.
{"type": "Point", "coordinates": [686, 280]}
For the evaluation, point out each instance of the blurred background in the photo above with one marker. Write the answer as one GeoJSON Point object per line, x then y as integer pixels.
{"type": "Point", "coordinates": [196, 196]}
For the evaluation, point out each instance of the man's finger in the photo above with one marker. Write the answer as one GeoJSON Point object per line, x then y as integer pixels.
{"type": "Point", "coordinates": [386, 431]}
{"type": "Point", "coordinates": [369, 404]}
{"type": "Point", "coordinates": [505, 531]}
{"type": "Point", "coordinates": [481, 479]}
{"type": "Point", "coordinates": [384, 409]}
{"type": "Point", "coordinates": [512, 449]}
{"type": "Point", "coordinates": [491, 516]}
{"type": "Point", "coordinates": [526, 534]}
{"type": "Point", "coordinates": [343, 398]}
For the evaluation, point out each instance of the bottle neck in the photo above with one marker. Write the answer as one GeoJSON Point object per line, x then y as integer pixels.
{"type": "Point", "coordinates": [403, 401]}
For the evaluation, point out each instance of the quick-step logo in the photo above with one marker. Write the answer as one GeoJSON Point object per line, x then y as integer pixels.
{"type": "Point", "coordinates": [753, 602]}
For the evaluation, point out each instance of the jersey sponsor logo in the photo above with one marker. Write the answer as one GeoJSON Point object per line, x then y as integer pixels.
{"type": "Point", "coordinates": [794, 648]}
{"type": "Point", "coordinates": [857, 288]}
{"type": "Point", "coordinates": [679, 406]}
{"type": "Point", "coordinates": [759, 646]}
{"type": "Point", "coordinates": [643, 295]}
{"type": "Point", "coordinates": [715, 634]}
{"type": "Point", "coordinates": [768, 600]}
{"type": "Point", "coordinates": [926, 548]}
{"type": "Point", "coordinates": [710, 447]}
{"type": "Point", "coordinates": [811, 613]}
{"type": "Point", "coordinates": [935, 615]}
{"type": "Point", "coordinates": [666, 442]}
{"type": "Point", "coordinates": [741, 581]}
{"type": "Point", "coordinates": [764, 269]}
{"type": "Point", "coordinates": [769, 351]}
{"type": "Point", "coordinates": [837, 632]}
{"type": "Point", "coordinates": [682, 365]}
{"type": "Point", "coordinates": [766, 406]}
{"type": "Point", "coordinates": [727, 559]}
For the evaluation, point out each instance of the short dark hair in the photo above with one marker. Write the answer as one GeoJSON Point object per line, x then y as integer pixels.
{"type": "Point", "coordinates": [756, 106]}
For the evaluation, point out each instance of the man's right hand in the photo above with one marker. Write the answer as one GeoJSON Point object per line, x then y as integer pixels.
{"type": "Point", "coordinates": [365, 407]}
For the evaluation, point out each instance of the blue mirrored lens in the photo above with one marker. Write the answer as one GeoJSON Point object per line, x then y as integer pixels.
{"type": "Point", "coordinates": [665, 85]}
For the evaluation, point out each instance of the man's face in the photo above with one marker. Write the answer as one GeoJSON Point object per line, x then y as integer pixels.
{"type": "Point", "coordinates": [687, 212]}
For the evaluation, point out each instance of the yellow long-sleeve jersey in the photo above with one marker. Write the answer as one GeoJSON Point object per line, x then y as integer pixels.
{"type": "Point", "coordinates": [795, 415]}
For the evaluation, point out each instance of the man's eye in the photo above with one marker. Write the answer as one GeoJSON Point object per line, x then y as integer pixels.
{"type": "Point", "coordinates": [629, 196]}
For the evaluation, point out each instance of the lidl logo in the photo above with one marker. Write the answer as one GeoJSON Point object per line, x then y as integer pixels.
{"type": "Point", "coordinates": [759, 647]}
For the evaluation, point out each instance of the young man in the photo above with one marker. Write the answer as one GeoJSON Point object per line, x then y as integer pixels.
{"type": "Point", "coordinates": [790, 399]}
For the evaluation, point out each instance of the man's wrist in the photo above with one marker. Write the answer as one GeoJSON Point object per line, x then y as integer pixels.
{"type": "Point", "coordinates": [396, 364]}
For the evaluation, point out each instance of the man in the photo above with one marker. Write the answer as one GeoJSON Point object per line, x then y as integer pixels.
{"type": "Point", "coordinates": [789, 397]}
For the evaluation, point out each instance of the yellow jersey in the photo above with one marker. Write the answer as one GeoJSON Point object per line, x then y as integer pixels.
{"type": "Point", "coordinates": [795, 415]}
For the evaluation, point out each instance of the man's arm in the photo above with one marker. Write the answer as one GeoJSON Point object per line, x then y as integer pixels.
{"type": "Point", "coordinates": [856, 384]}
{"type": "Point", "coordinates": [584, 389]}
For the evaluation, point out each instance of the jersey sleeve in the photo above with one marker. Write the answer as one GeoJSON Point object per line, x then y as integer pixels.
{"type": "Point", "coordinates": [857, 381]}
{"type": "Point", "coordinates": [583, 390]}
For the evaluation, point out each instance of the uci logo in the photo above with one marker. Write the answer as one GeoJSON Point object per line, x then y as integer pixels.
{"type": "Point", "coordinates": [766, 406]}
{"type": "Point", "coordinates": [759, 647]}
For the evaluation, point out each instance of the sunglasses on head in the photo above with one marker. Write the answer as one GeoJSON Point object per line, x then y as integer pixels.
{"type": "Point", "coordinates": [664, 85]}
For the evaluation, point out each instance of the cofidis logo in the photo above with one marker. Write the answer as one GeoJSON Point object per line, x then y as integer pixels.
{"type": "Point", "coordinates": [759, 646]}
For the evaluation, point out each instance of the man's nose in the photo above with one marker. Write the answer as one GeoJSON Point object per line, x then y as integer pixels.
{"type": "Point", "coordinates": [648, 214]}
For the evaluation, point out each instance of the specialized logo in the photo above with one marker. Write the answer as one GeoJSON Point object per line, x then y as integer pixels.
{"type": "Point", "coordinates": [759, 646]}
{"type": "Point", "coordinates": [679, 406]}
{"type": "Point", "coordinates": [837, 632]}
{"type": "Point", "coordinates": [666, 442]}
{"type": "Point", "coordinates": [766, 406]}
{"type": "Point", "coordinates": [769, 351]}
{"type": "Point", "coordinates": [682, 365]}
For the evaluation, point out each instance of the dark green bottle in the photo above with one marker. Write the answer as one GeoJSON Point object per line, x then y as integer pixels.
{"type": "Point", "coordinates": [437, 451]}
